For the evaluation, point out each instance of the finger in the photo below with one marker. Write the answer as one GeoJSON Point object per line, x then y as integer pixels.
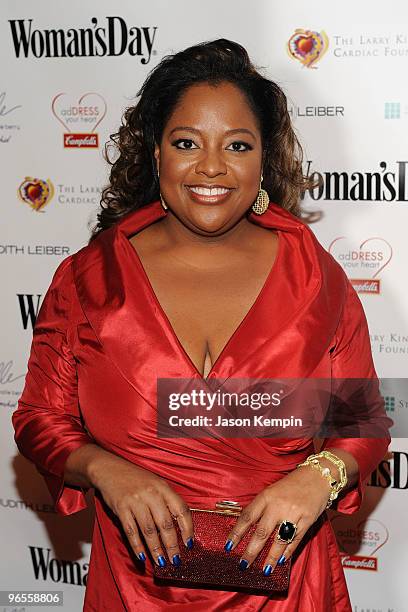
{"type": "Point", "coordinates": [258, 540]}
{"type": "Point", "coordinates": [182, 513]}
{"type": "Point", "coordinates": [168, 534]}
{"type": "Point", "coordinates": [150, 532]}
{"type": "Point", "coordinates": [290, 549]}
{"type": "Point", "coordinates": [248, 516]}
{"type": "Point", "coordinates": [132, 532]}
{"type": "Point", "coordinates": [278, 552]}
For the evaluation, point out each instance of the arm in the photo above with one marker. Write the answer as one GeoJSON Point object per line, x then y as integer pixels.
{"type": "Point", "coordinates": [352, 359]}
{"type": "Point", "coordinates": [301, 496]}
{"type": "Point", "coordinates": [47, 422]}
{"type": "Point", "coordinates": [50, 433]}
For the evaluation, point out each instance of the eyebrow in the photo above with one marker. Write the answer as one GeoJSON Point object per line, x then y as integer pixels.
{"type": "Point", "coordinates": [186, 128]}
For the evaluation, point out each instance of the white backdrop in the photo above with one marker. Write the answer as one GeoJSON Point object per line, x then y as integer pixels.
{"type": "Point", "coordinates": [348, 95]}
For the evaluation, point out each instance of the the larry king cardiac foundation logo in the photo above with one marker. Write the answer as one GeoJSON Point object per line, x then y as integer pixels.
{"type": "Point", "coordinates": [79, 117]}
{"type": "Point", "coordinates": [363, 262]}
{"type": "Point", "coordinates": [307, 46]}
{"type": "Point", "coordinates": [35, 192]}
{"type": "Point", "coordinates": [359, 542]}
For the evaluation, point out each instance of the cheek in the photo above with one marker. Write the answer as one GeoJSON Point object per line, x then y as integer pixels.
{"type": "Point", "coordinates": [248, 171]}
{"type": "Point", "coordinates": [173, 167]}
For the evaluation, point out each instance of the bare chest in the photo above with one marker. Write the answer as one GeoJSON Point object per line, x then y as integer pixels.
{"type": "Point", "coordinates": [204, 308]}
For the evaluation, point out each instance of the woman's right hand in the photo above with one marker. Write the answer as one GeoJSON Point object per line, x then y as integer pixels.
{"type": "Point", "coordinates": [142, 501]}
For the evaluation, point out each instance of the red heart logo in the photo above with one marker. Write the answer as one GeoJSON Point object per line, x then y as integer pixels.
{"type": "Point", "coordinates": [33, 191]}
{"type": "Point", "coordinates": [36, 192]}
{"type": "Point", "coordinates": [304, 44]}
{"type": "Point", "coordinates": [307, 46]}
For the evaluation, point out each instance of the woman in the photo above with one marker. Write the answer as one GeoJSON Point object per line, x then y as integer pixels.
{"type": "Point", "coordinates": [190, 275]}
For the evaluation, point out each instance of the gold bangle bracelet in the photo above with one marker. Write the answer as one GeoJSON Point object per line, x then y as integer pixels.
{"type": "Point", "coordinates": [336, 486]}
{"type": "Point", "coordinates": [339, 463]}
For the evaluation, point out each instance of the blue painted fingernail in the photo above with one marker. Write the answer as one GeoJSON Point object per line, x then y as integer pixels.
{"type": "Point", "coordinates": [267, 570]}
{"type": "Point", "coordinates": [281, 560]}
{"type": "Point", "coordinates": [190, 543]}
{"type": "Point", "coordinates": [162, 561]}
{"type": "Point", "coordinates": [228, 545]}
{"type": "Point", "coordinates": [243, 564]}
{"type": "Point", "coordinates": [176, 560]}
{"type": "Point", "coordinates": [142, 556]}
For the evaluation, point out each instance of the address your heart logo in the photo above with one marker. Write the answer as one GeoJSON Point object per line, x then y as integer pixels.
{"type": "Point", "coordinates": [79, 118]}
{"type": "Point", "coordinates": [364, 538]}
{"type": "Point", "coordinates": [363, 262]}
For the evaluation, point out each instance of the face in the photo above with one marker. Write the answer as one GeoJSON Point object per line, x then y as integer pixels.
{"type": "Point", "coordinates": [210, 158]}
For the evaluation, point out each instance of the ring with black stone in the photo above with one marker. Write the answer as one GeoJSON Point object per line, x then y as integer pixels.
{"type": "Point", "coordinates": [286, 532]}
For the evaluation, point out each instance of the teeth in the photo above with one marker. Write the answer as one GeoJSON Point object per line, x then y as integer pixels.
{"type": "Point", "coordinates": [212, 191]}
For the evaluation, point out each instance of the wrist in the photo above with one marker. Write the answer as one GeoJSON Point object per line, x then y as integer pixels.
{"type": "Point", "coordinates": [331, 468]}
{"type": "Point", "coordinates": [98, 464]}
{"type": "Point", "coordinates": [314, 476]}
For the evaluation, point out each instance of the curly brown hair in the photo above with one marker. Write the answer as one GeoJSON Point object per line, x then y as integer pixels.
{"type": "Point", "coordinates": [133, 177]}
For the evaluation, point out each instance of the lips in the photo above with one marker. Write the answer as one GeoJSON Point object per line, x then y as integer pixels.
{"type": "Point", "coordinates": [213, 194]}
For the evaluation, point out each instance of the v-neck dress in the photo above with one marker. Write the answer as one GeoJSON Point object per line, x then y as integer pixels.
{"type": "Point", "coordinates": [100, 343]}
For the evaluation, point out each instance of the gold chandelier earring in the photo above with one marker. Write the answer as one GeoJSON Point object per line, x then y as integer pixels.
{"type": "Point", "coordinates": [163, 203]}
{"type": "Point", "coordinates": [262, 201]}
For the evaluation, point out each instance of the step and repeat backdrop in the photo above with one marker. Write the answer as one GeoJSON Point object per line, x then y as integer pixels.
{"type": "Point", "coordinates": [68, 73]}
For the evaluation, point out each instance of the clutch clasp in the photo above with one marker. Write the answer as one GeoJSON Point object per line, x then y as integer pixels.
{"type": "Point", "coordinates": [231, 508]}
{"type": "Point", "coordinates": [228, 506]}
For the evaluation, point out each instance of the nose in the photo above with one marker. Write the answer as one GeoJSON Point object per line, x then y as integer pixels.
{"type": "Point", "coordinates": [211, 163]}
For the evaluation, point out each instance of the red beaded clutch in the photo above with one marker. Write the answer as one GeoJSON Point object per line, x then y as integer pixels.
{"type": "Point", "coordinates": [207, 563]}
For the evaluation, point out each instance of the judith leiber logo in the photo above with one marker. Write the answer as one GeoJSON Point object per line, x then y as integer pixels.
{"type": "Point", "coordinates": [36, 192]}
{"type": "Point", "coordinates": [363, 262]}
{"type": "Point", "coordinates": [79, 118]}
{"type": "Point", "coordinates": [307, 46]}
{"type": "Point", "coordinates": [359, 542]}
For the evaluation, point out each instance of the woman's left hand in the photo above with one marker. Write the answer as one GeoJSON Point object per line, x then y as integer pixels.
{"type": "Point", "coordinates": [299, 497]}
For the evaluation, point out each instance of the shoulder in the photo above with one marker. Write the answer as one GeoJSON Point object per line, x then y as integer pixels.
{"type": "Point", "coordinates": [61, 295]}
{"type": "Point", "coordinates": [316, 257]}
{"type": "Point", "coordinates": [57, 302]}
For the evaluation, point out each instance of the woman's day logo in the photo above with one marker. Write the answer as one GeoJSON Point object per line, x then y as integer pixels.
{"type": "Point", "coordinates": [362, 263]}
{"type": "Point", "coordinates": [79, 118]}
{"type": "Point", "coordinates": [36, 192]}
{"type": "Point", "coordinates": [307, 47]}
{"type": "Point", "coordinates": [359, 542]}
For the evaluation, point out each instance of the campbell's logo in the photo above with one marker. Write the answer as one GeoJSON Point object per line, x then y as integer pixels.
{"type": "Point", "coordinates": [357, 562]}
{"type": "Point", "coordinates": [36, 192]}
{"type": "Point", "coordinates": [363, 262]}
{"type": "Point", "coordinates": [385, 185]}
{"type": "Point", "coordinates": [113, 39]}
{"type": "Point", "coordinates": [307, 46]}
{"type": "Point", "coordinates": [77, 141]}
{"type": "Point", "coordinates": [79, 117]}
{"type": "Point", "coordinates": [359, 542]}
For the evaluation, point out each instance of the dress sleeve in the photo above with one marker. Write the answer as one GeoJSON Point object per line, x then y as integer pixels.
{"type": "Point", "coordinates": [47, 421]}
{"type": "Point", "coordinates": [351, 358]}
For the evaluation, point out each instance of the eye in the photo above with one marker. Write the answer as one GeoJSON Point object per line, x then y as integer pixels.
{"type": "Point", "coordinates": [239, 146]}
{"type": "Point", "coordinates": [184, 143]}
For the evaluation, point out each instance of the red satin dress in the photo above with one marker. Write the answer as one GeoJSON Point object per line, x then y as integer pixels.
{"type": "Point", "coordinates": [100, 342]}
